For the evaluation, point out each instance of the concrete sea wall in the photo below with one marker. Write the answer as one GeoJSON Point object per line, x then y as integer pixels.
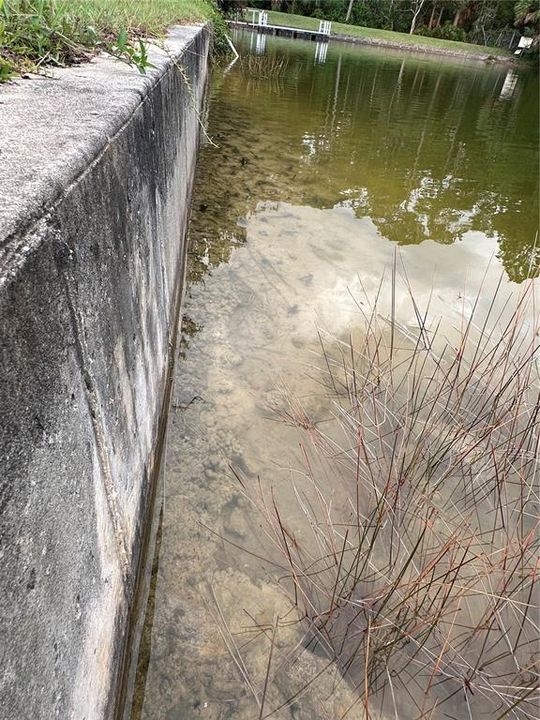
{"type": "Point", "coordinates": [96, 170]}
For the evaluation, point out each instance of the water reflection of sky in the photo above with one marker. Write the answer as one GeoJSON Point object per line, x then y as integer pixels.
{"type": "Point", "coordinates": [302, 273]}
{"type": "Point", "coordinates": [441, 147]}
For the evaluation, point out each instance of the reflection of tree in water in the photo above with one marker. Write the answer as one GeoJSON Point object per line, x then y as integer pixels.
{"type": "Point", "coordinates": [520, 254]}
{"type": "Point", "coordinates": [428, 150]}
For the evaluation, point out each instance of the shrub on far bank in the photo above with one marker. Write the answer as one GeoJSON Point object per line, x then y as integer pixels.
{"type": "Point", "coordinates": [448, 31]}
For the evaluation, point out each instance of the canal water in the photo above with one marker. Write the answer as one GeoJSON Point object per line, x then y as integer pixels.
{"type": "Point", "coordinates": [331, 175]}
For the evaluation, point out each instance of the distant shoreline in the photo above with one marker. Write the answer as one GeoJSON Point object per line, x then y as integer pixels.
{"type": "Point", "coordinates": [432, 50]}
{"type": "Point", "coordinates": [480, 55]}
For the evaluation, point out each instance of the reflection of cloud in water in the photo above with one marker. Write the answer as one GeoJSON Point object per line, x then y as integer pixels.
{"type": "Point", "coordinates": [346, 257]}
{"type": "Point", "coordinates": [355, 198]}
{"type": "Point", "coordinates": [302, 270]}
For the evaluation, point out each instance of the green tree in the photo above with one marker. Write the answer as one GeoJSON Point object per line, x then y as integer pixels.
{"type": "Point", "coordinates": [416, 9]}
{"type": "Point", "coordinates": [486, 18]}
{"type": "Point", "coordinates": [527, 15]}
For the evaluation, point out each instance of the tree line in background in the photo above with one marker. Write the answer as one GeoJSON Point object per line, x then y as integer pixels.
{"type": "Point", "coordinates": [489, 22]}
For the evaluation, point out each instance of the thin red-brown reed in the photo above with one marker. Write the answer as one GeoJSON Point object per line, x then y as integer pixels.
{"type": "Point", "coordinates": [413, 553]}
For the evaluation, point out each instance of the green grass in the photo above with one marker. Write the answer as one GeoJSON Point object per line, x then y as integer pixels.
{"type": "Point", "coordinates": [386, 37]}
{"type": "Point", "coordinates": [150, 17]}
{"type": "Point", "coordinates": [38, 33]}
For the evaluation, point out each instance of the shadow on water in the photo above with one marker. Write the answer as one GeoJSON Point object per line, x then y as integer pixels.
{"type": "Point", "coordinates": [318, 174]}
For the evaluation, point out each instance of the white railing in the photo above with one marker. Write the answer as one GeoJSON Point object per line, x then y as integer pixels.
{"type": "Point", "coordinates": [324, 27]}
{"type": "Point", "coordinates": [263, 18]}
{"type": "Point", "coordinates": [524, 43]}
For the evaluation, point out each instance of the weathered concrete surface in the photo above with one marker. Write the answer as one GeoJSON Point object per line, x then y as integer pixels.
{"type": "Point", "coordinates": [96, 169]}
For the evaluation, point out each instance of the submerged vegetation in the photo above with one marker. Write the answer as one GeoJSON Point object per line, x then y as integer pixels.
{"type": "Point", "coordinates": [264, 66]}
{"type": "Point", "coordinates": [39, 33]}
{"type": "Point", "coordinates": [414, 564]}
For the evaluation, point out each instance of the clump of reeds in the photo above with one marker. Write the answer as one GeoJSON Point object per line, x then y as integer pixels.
{"type": "Point", "coordinates": [414, 564]}
{"type": "Point", "coordinates": [264, 66]}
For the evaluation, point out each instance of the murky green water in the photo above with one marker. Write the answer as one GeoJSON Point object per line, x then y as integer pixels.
{"type": "Point", "coordinates": [316, 176]}
{"type": "Point", "coordinates": [427, 148]}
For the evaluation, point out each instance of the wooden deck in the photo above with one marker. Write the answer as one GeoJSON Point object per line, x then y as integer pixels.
{"type": "Point", "coordinates": [280, 30]}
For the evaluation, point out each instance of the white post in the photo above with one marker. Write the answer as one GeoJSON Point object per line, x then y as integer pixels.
{"type": "Point", "coordinates": [324, 27]}
{"type": "Point", "coordinates": [231, 45]}
{"type": "Point", "coordinates": [321, 49]}
{"type": "Point", "coordinates": [260, 48]}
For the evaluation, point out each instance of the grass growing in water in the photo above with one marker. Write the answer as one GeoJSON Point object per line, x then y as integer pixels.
{"type": "Point", "coordinates": [414, 564]}
{"type": "Point", "coordinates": [264, 66]}
{"type": "Point", "coordinates": [36, 33]}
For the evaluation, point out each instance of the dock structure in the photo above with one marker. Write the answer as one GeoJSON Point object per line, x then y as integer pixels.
{"type": "Point", "coordinates": [261, 25]}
